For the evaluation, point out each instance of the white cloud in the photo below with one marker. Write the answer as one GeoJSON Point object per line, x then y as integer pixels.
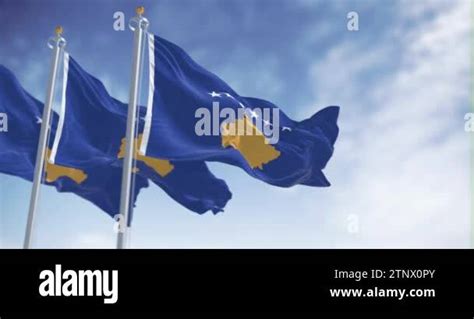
{"type": "Point", "coordinates": [94, 240]}
{"type": "Point", "coordinates": [418, 9]}
{"type": "Point", "coordinates": [408, 154]}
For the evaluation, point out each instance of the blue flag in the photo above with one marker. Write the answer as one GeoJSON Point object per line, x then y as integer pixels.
{"type": "Point", "coordinates": [99, 184]}
{"type": "Point", "coordinates": [194, 115]}
{"type": "Point", "coordinates": [93, 130]}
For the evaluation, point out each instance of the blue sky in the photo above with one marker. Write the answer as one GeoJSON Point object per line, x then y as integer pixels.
{"type": "Point", "coordinates": [400, 172]}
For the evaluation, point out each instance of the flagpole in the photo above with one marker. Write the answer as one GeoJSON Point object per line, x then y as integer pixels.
{"type": "Point", "coordinates": [56, 43]}
{"type": "Point", "coordinates": [125, 199]}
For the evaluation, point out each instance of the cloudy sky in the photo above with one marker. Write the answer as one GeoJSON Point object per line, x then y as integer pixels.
{"type": "Point", "coordinates": [400, 172]}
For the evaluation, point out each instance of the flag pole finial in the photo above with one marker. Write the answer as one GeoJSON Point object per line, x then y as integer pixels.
{"type": "Point", "coordinates": [59, 30]}
{"type": "Point", "coordinates": [140, 10]}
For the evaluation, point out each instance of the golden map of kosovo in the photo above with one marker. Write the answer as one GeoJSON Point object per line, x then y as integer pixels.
{"type": "Point", "coordinates": [160, 166]}
{"type": "Point", "coordinates": [245, 137]}
{"type": "Point", "coordinates": [54, 172]}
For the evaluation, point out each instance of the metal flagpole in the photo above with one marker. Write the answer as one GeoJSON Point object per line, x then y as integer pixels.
{"type": "Point", "coordinates": [56, 43]}
{"type": "Point", "coordinates": [139, 25]}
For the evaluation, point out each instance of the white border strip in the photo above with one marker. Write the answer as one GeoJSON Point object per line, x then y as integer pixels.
{"type": "Point", "coordinates": [151, 91]}
{"type": "Point", "coordinates": [62, 111]}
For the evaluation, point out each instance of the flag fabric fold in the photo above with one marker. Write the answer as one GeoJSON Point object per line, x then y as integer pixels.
{"type": "Point", "coordinates": [93, 130]}
{"type": "Point", "coordinates": [194, 115]}
{"type": "Point", "coordinates": [98, 183]}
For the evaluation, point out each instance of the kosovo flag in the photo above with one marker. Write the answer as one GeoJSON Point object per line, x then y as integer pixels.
{"type": "Point", "coordinates": [99, 184]}
{"type": "Point", "coordinates": [93, 127]}
{"type": "Point", "coordinates": [194, 115]}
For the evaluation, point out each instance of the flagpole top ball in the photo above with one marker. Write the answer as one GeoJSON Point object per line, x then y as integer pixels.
{"type": "Point", "coordinates": [59, 30]}
{"type": "Point", "coordinates": [140, 10]}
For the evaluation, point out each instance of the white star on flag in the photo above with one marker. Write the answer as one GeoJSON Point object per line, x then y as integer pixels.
{"type": "Point", "coordinates": [214, 94]}
{"type": "Point", "coordinates": [253, 114]}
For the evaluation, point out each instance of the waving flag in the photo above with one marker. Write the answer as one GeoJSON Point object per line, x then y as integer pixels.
{"type": "Point", "coordinates": [92, 130]}
{"type": "Point", "coordinates": [99, 184]}
{"type": "Point", "coordinates": [194, 115]}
